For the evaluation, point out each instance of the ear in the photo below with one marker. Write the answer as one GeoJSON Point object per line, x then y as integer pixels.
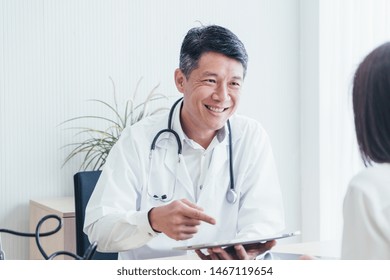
{"type": "Point", "coordinates": [179, 80]}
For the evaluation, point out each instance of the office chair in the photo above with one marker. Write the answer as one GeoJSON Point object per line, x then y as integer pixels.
{"type": "Point", "coordinates": [84, 183]}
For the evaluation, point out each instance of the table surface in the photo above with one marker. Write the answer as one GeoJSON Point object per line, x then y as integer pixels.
{"type": "Point", "coordinates": [319, 249]}
{"type": "Point", "coordinates": [59, 205]}
{"type": "Point", "coordinates": [323, 249]}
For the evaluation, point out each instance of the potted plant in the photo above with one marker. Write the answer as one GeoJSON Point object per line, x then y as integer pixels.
{"type": "Point", "coordinates": [98, 144]}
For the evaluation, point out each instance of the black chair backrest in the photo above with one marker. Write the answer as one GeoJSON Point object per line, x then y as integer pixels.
{"type": "Point", "coordinates": [84, 183]}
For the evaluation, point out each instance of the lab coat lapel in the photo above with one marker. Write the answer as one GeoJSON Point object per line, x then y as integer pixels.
{"type": "Point", "coordinates": [179, 169]}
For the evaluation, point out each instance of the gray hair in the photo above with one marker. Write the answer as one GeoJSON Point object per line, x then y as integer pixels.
{"type": "Point", "coordinates": [212, 38]}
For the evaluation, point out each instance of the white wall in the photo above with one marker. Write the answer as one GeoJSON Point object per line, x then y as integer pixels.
{"type": "Point", "coordinates": [310, 136]}
{"type": "Point", "coordinates": [55, 55]}
{"type": "Point", "coordinates": [335, 36]}
{"type": "Point", "coordinates": [272, 93]}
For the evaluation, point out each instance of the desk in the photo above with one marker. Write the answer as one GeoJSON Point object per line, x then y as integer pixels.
{"type": "Point", "coordinates": [65, 239]}
{"type": "Point", "coordinates": [322, 249]}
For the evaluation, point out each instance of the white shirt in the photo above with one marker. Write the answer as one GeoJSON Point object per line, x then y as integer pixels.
{"type": "Point", "coordinates": [116, 214]}
{"type": "Point", "coordinates": [366, 232]}
{"type": "Point", "coordinates": [196, 157]}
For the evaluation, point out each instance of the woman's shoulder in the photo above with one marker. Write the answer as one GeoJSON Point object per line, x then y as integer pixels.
{"type": "Point", "coordinates": [372, 182]}
{"type": "Point", "coordinates": [376, 174]}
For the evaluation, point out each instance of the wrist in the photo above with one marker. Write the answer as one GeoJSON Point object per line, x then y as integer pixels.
{"type": "Point", "coordinates": [150, 220]}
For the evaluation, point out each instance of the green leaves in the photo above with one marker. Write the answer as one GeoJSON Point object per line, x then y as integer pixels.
{"type": "Point", "coordinates": [98, 143]}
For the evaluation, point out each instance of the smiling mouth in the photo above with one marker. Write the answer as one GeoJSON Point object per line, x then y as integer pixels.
{"type": "Point", "coordinates": [216, 109]}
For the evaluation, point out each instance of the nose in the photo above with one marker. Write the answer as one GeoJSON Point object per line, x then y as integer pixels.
{"type": "Point", "coordinates": [221, 93]}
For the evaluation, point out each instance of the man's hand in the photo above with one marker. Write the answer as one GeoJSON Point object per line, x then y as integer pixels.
{"type": "Point", "coordinates": [237, 252]}
{"type": "Point", "coordinates": [179, 219]}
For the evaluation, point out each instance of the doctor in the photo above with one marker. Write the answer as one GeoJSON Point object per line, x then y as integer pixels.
{"type": "Point", "coordinates": [198, 174]}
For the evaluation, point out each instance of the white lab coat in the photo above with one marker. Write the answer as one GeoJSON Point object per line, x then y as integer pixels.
{"type": "Point", "coordinates": [116, 215]}
{"type": "Point", "coordinates": [366, 233]}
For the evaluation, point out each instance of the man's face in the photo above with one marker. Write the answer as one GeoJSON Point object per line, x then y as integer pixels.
{"type": "Point", "coordinates": [211, 93]}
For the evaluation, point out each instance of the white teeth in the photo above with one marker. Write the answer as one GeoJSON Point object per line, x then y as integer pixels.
{"type": "Point", "coordinates": [214, 109]}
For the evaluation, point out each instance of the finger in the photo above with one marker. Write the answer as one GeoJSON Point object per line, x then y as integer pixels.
{"type": "Point", "coordinates": [212, 255]}
{"type": "Point", "coordinates": [260, 247]}
{"type": "Point", "coordinates": [251, 251]}
{"type": "Point", "coordinates": [199, 215]}
{"type": "Point", "coordinates": [241, 252]}
{"type": "Point", "coordinates": [182, 232]}
{"type": "Point", "coordinates": [201, 255]}
{"type": "Point", "coordinates": [196, 212]}
{"type": "Point", "coordinates": [190, 222]}
{"type": "Point", "coordinates": [269, 244]}
{"type": "Point", "coordinates": [222, 254]}
{"type": "Point", "coordinates": [188, 229]}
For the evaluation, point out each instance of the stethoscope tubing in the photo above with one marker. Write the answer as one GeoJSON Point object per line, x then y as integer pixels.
{"type": "Point", "coordinates": [231, 195]}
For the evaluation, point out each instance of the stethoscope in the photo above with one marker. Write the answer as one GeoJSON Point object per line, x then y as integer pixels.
{"type": "Point", "coordinates": [231, 194]}
{"type": "Point", "coordinates": [38, 234]}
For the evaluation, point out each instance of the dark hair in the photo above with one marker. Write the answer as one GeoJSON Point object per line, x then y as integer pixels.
{"type": "Point", "coordinates": [212, 38]}
{"type": "Point", "coordinates": [371, 105]}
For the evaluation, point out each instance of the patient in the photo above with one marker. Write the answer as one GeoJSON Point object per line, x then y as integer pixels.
{"type": "Point", "coordinates": [366, 233]}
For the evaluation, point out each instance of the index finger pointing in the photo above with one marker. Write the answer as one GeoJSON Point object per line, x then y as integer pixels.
{"type": "Point", "coordinates": [199, 215]}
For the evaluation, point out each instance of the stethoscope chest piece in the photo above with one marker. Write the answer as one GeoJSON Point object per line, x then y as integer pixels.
{"type": "Point", "coordinates": [231, 196]}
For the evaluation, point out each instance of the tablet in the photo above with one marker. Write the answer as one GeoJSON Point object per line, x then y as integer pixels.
{"type": "Point", "coordinates": [237, 241]}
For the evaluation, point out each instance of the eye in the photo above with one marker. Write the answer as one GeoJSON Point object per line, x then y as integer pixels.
{"type": "Point", "coordinates": [235, 84]}
{"type": "Point", "coordinates": [210, 81]}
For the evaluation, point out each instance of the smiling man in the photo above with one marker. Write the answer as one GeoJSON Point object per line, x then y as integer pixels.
{"type": "Point", "coordinates": [209, 175]}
